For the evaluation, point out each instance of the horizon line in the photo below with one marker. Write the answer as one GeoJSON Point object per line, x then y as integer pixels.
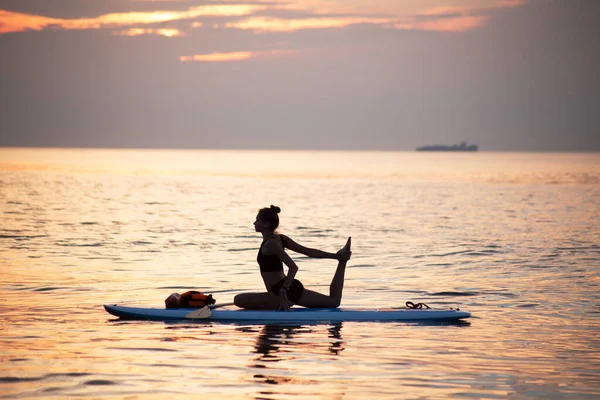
{"type": "Point", "coordinates": [52, 147]}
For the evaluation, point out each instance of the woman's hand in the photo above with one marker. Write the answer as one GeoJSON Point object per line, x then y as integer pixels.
{"type": "Point", "coordinates": [285, 302]}
{"type": "Point", "coordinates": [343, 254]}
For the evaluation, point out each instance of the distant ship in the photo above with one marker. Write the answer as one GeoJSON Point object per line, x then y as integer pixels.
{"type": "Point", "coordinates": [456, 147]}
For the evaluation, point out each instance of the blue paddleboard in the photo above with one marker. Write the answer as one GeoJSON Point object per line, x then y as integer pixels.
{"type": "Point", "coordinates": [293, 315]}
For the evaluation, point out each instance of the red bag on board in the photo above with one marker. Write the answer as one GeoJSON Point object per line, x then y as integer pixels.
{"type": "Point", "coordinates": [189, 299]}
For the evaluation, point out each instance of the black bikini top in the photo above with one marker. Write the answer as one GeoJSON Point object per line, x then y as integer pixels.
{"type": "Point", "coordinates": [270, 263]}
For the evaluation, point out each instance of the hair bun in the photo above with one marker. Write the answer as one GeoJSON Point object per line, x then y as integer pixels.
{"type": "Point", "coordinates": [275, 208]}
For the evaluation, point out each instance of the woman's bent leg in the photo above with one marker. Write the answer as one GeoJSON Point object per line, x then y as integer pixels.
{"type": "Point", "coordinates": [312, 299]}
{"type": "Point", "coordinates": [257, 301]}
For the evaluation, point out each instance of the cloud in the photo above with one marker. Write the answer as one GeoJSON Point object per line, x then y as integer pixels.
{"type": "Point", "coordinates": [266, 24]}
{"type": "Point", "coordinates": [453, 19]}
{"type": "Point", "coordinates": [459, 23]}
{"type": "Point", "coordinates": [290, 18]}
{"type": "Point", "coordinates": [259, 17]}
{"type": "Point", "coordinates": [75, 9]}
{"type": "Point", "coordinates": [233, 56]}
{"type": "Point", "coordinates": [167, 32]}
{"type": "Point", "coordinates": [218, 57]}
{"type": "Point", "coordinates": [19, 22]}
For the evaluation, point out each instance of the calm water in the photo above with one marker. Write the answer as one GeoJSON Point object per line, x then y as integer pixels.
{"type": "Point", "coordinates": [512, 238]}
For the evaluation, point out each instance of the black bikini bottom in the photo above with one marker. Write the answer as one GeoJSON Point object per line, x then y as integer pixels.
{"type": "Point", "coordinates": [293, 293]}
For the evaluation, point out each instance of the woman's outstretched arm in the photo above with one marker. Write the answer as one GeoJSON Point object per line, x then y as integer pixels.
{"type": "Point", "coordinates": [313, 253]}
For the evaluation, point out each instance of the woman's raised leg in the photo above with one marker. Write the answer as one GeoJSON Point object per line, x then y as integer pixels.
{"type": "Point", "coordinates": [312, 299]}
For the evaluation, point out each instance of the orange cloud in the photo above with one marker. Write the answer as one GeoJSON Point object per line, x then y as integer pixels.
{"type": "Point", "coordinates": [391, 7]}
{"type": "Point", "coordinates": [438, 19]}
{"type": "Point", "coordinates": [460, 23]}
{"type": "Point", "coordinates": [19, 22]}
{"type": "Point", "coordinates": [451, 19]}
{"type": "Point", "coordinates": [511, 3]}
{"type": "Point", "coordinates": [218, 57]}
{"type": "Point", "coordinates": [441, 11]}
{"type": "Point", "coordinates": [233, 56]}
{"type": "Point", "coordinates": [148, 31]}
{"type": "Point", "coordinates": [403, 16]}
{"type": "Point", "coordinates": [269, 24]}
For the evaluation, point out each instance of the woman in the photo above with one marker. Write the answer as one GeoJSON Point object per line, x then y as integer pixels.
{"type": "Point", "coordinates": [285, 291]}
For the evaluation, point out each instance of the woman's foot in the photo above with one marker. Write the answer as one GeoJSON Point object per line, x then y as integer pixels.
{"type": "Point", "coordinates": [344, 254]}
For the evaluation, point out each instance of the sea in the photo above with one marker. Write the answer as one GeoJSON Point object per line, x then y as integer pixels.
{"type": "Point", "coordinates": [513, 238]}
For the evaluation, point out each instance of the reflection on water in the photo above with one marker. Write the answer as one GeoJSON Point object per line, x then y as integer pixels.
{"type": "Point", "coordinates": [277, 343]}
{"type": "Point", "coordinates": [512, 238]}
{"type": "Point", "coordinates": [272, 337]}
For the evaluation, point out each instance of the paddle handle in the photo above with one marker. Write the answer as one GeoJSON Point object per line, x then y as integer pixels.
{"type": "Point", "coordinates": [220, 305]}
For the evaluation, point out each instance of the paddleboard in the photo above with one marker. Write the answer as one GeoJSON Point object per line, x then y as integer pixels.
{"type": "Point", "coordinates": [293, 315]}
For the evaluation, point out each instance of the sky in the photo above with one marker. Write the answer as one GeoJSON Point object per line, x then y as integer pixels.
{"type": "Point", "coordinates": [508, 75]}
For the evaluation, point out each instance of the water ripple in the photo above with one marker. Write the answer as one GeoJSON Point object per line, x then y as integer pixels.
{"type": "Point", "coordinates": [451, 294]}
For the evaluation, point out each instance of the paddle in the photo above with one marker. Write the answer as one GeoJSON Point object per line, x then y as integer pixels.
{"type": "Point", "coordinates": [221, 305]}
{"type": "Point", "coordinates": [204, 312]}
{"type": "Point", "coordinates": [201, 313]}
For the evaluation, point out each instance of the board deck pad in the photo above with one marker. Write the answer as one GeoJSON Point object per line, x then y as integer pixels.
{"type": "Point", "coordinates": [293, 315]}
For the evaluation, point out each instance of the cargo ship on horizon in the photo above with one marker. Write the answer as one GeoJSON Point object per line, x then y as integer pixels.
{"type": "Point", "coordinates": [456, 147]}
